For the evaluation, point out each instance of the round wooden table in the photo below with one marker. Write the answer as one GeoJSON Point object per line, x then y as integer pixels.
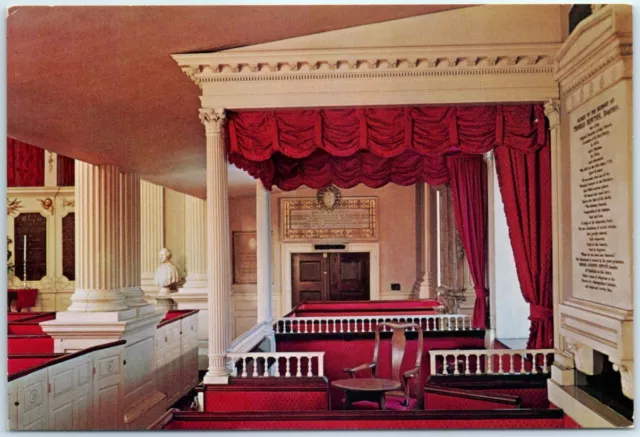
{"type": "Point", "coordinates": [365, 389]}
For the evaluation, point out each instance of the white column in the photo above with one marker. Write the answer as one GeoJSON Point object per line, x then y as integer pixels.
{"type": "Point", "coordinates": [97, 239]}
{"type": "Point", "coordinates": [263, 234]}
{"type": "Point", "coordinates": [129, 221]}
{"type": "Point", "coordinates": [490, 334]}
{"type": "Point", "coordinates": [151, 233]}
{"type": "Point", "coordinates": [195, 244]}
{"type": "Point", "coordinates": [427, 243]}
{"type": "Point", "coordinates": [194, 294]}
{"type": "Point", "coordinates": [218, 246]}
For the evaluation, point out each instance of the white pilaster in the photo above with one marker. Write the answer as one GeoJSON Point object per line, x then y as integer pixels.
{"type": "Point", "coordinates": [151, 233]}
{"type": "Point", "coordinates": [263, 235]}
{"type": "Point", "coordinates": [129, 221]}
{"type": "Point", "coordinates": [427, 243]}
{"type": "Point", "coordinates": [97, 239]}
{"type": "Point", "coordinates": [195, 214]}
{"type": "Point", "coordinates": [218, 246]}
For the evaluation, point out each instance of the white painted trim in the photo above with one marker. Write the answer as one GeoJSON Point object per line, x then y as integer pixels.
{"type": "Point", "coordinates": [287, 249]}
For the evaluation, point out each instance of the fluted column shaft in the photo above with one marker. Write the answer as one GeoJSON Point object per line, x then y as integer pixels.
{"type": "Point", "coordinates": [129, 212]}
{"type": "Point", "coordinates": [427, 243]}
{"type": "Point", "coordinates": [195, 243]}
{"type": "Point", "coordinates": [263, 235]}
{"type": "Point", "coordinates": [97, 239]}
{"type": "Point", "coordinates": [218, 247]}
{"type": "Point", "coordinates": [151, 233]}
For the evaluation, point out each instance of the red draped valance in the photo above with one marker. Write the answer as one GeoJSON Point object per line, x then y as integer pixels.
{"type": "Point", "coordinates": [374, 146]}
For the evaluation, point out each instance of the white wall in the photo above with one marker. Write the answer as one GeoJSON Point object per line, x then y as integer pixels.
{"type": "Point", "coordinates": [512, 312]}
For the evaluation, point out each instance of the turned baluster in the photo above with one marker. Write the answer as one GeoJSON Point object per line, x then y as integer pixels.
{"type": "Point", "coordinates": [511, 369]}
{"type": "Point", "coordinates": [545, 367]}
{"type": "Point", "coordinates": [255, 367]}
{"type": "Point", "coordinates": [287, 373]}
{"type": "Point", "coordinates": [299, 367]}
{"type": "Point", "coordinates": [489, 359]}
{"type": "Point", "coordinates": [478, 362]}
{"type": "Point", "coordinates": [500, 372]}
{"type": "Point", "coordinates": [466, 364]}
{"type": "Point", "coordinates": [456, 370]}
{"type": "Point", "coordinates": [244, 367]}
{"type": "Point", "coordinates": [276, 366]}
{"type": "Point", "coordinates": [309, 373]}
{"type": "Point", "coordinates": [445, 366]}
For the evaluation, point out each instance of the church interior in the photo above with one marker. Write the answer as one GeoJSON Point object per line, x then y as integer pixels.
{"type": "Point", "coordinates": [320, 217]}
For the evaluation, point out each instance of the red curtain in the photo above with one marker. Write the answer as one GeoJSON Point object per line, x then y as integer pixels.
{"type": "Point", "coordinates": [524, 176]}
{"type": "Point", "coordinates": [469, 194]}
{"type": "Point", "coordinates": [65, 171]}
{"type": "Point", "coordinates": [373, 146]}
{"type": "Point", "coordinates": [25, 164]}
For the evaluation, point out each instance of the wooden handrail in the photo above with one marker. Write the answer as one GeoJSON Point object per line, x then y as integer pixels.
{"type": "Point", "coordinates": [470, 394]}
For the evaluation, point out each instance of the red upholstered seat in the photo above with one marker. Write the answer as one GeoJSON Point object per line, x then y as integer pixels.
{"type": "Point", "coordinates": [393, 403]}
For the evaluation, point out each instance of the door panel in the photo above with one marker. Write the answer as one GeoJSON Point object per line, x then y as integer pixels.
{"type": "Point", "coordinates": [309, 272]}
{"type": "Point", "coordinates": [330, 276]}
{"type": "Point", "coordinates": [349, 276]}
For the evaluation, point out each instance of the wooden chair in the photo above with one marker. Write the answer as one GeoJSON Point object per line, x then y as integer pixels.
{"type": "Point", "coordinates": [398, 345]}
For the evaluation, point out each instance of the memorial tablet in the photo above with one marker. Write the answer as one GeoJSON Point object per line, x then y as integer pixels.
{"type": "Point", "coordinates": [245, 263]}
{"type": "Point", "coordinates": [354, 218]}
{"type": "Point", "coordinates": [602, 199]}
{"type": "Point", "coordinates": [69, 246]}
{"type": "Point", "coordinates": [34, 226]}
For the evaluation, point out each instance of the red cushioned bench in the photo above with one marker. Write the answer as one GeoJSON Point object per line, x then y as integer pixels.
{"type": "Point", "coordinates": [363, 308]}
{"type": "Point", "coordinates": [29, 344]}
{"type": "Point", "coordinates": [361, 420]}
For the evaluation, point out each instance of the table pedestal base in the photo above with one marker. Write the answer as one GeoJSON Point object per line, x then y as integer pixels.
{"type": "Point", "coordinates": [356, 396]}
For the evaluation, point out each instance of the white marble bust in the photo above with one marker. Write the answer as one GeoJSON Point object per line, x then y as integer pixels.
{"type": "Point", "coordinates": [167, 274]}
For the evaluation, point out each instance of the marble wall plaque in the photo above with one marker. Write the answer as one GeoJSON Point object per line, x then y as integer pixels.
{"type": "Point", "coordinates": [34, 226]}
{"type": "Point", "coordinates": [69, 246]}
{"type": "Point", "coordinates": [245, 262]}
{"type": "Point", "coordinates": [354, 218]}
{"type": "Point", "coordinates": [601, 191]}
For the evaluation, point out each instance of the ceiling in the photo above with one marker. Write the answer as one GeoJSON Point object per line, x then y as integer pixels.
{"type": "Point", "coordinates": [98, 83]}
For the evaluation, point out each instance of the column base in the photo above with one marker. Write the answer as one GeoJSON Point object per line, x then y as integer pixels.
{"type": "Point", "coordinates": [134, 297]}
{"type": "Point", "coordinates": [215, 379]}
{"type": "Point", "coordinates": [74, 331]}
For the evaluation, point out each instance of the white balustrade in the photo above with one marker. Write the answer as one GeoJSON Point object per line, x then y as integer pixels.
{"type": "Point", "coordinates": [267, 364]}
{"type": "Point", "coordinates": [531, 361]}
{"type": "Point", "coordinates": [365, 324]}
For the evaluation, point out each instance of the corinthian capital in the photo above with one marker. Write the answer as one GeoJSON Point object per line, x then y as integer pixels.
{"type": "Point", "coordinates": [552, 111]}
{"type": "Point", "coordinates": [213, 120]}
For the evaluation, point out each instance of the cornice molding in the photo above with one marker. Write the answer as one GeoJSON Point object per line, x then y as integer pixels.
{"type": "Point", "coordinates": [356, 64]}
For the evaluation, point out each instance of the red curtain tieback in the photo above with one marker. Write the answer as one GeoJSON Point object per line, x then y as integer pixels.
{"type": "Point", "coordinates": [540, 313]}
{"type": "Point", "coordinates": [481, 292]}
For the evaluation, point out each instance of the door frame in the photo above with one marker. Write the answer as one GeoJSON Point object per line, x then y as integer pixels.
{"type": "Point", "coordinates": [287, 249]}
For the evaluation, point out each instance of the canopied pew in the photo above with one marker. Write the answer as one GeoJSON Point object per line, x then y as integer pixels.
{"type": "Point", "coordinates": [344, 420]}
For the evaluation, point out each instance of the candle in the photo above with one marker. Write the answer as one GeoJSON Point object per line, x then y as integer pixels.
{"type": "Point", "coordinates": [24, 252]}
{"type": "Point", "coordinates": [24, 273]}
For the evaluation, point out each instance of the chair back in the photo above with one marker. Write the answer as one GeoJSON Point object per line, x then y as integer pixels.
{"type": "Point", "coordinates": [398, 346]}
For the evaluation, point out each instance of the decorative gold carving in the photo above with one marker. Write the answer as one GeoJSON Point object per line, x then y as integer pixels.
{"type": "Point", "coordinates": [353, 218]}
{"type": "Point", "coordinates": [213, 120]}
{"type": "Point", "coordinates": [13, 207]}
{"type": "Point", "coordinates": [626, 378]}
{"type": "Point", "coordinates": [552, 111]}
{"type": "Point", "coordinates": [68, 203]}
{"type": "Point", "coordinates": [329, 197]}
{"type": "Point", "coordinates": [47, 205]}
{"type": "Point", "coordinates": [51, 162]}
{"type": "Point", "coordinates": [459, 247]}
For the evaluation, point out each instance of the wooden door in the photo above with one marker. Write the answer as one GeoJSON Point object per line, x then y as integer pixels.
{"type": "Point", "coordinates": [309, 277]}
{"type": "Point", "coordinates": [349, 276]}
{"type": "Point", "coordinates": [330, 276]}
